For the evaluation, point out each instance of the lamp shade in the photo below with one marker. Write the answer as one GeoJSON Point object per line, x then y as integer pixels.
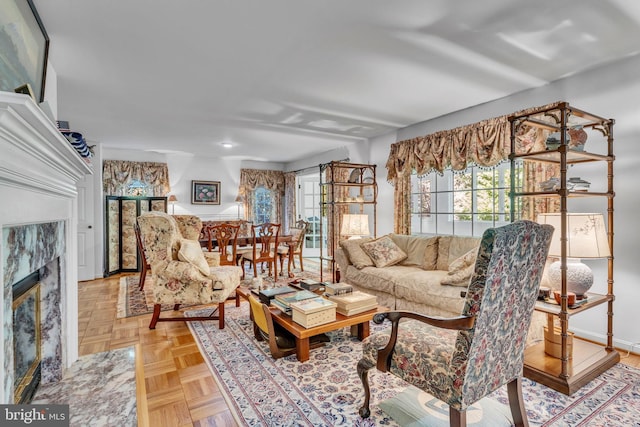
{"type": "Point", "coordinates": [355, 225]}
{"type": "Point", "coordinates": [173, 198]}
{"type": "Point", "coordinates": [586, 235]}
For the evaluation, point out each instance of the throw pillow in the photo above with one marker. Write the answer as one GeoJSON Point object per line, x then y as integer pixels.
{"type": "Point", "coordinates": [461, 270]}
{"type": "Point", "coordinates": [384, 252]}
{"type": "Point", "coordinates": [354, 252]}
{"type": "Point", "coordinates": [191, 252]}
{"type": "Point", "coordinates": [420, 250]}
{"type": "Point", "coordinates": [430, 260]}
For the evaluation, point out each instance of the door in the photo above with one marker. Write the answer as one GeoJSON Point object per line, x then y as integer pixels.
{"type": "Point", "coordinates": [86, 230]}
{"type": "Point", "coordinates": [309, 210]}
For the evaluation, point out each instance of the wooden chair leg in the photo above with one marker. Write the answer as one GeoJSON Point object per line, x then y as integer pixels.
{"type": "Point", "coordinates": [363, 372]}
{"type": "Point", "coordinates": [301, 265]}
{"type": "Point", "coordinates": [457, 418]}
{"type": "Point", "coordinates": [516, 403]}
{"type": "Point", "coordinates": [237, 299]}
{"type": "Point", "coordinates": [221, 315]}
{"type": "Point", "coordinates": [156, 316]}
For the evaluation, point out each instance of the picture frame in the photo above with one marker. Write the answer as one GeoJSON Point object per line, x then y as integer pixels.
{"type": "Point", "coordinates": [205, 192]}
{"type": "Point", "coordinates": [23, 60]}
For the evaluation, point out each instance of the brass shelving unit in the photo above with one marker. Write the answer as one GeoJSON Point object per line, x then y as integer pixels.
{"type": "Point", "coordinates": [587, 359]}
{"type": "Point", "coordinates": [344, 184]}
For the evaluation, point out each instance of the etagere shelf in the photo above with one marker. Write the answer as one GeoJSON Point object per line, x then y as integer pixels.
{"type": "Point", "coordinates": [345, 188]}
{"type": "Point", "coordinates": [584, 360]}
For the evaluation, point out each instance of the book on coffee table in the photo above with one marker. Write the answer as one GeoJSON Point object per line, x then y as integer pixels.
{"type": "Point", "coordinates": [313, 312]}
{"type": "Point", "coordinates": [352, 300]}
{"type": "Point", "coordinates": [295, 296]}
{"type": "Point", "coordinates": [338, 288]}
{"type": "Point", "coordinates": [266, 295]}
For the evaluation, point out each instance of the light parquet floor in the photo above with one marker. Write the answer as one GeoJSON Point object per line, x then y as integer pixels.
{"type": "Point", "coordinates": [179, 388]}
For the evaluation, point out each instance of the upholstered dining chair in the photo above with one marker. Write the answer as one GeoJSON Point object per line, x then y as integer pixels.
{"type": "Point", "coordinates": [180, 271]}
{"type": "Point", "coordinates": [226, 237]}
{"type": "Point", "coordinates": [294, 248]}
{"type": "Point", "coordinates": [144, 268]}
{"type": "Point", "coordinates": [460, 360]}
{"type": "Point", "coordinates": [264, 239]}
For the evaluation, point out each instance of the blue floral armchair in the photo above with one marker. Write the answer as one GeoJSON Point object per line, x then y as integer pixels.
{"type": "Point", "coordinates": [460, 360]}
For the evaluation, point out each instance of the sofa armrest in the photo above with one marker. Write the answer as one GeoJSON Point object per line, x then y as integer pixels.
{"type": "Point", "coordinates": [341, 259]}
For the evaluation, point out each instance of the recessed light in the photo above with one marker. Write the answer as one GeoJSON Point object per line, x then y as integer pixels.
{"type": "Point", "coordinates": [227, 144]}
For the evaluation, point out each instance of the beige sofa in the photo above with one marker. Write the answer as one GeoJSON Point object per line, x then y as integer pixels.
{"type": "Point", "coordinates": [428, 280]}
{"type": "Point", "coordinates": [414, 283]}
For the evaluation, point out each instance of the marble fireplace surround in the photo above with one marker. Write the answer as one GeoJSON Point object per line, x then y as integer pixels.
{"type": "Point", "coordinates": [39, 170]}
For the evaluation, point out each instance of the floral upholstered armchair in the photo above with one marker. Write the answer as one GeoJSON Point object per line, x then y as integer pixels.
{"type": "Point", "coordinates": [460, 360]}
{"type": "Point", "coordinates": [181, 274]}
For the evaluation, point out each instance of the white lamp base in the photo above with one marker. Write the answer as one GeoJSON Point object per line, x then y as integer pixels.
{"type": "Point", "coordinates": [579, 276]}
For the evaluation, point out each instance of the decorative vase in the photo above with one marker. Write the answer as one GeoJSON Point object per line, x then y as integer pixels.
{"type": "Point", "coordinates": [578, 138]}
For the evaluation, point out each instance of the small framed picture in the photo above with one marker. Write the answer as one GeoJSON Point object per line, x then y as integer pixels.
{"type": "Point", "coordinates": [205, 192]}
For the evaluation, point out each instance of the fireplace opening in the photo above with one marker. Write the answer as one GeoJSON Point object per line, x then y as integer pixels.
{"type": "Point", "coordinates": [26, 337]}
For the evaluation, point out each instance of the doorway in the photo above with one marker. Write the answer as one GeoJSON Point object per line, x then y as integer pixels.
{"type": "Point", "coordinates": [308, 201]}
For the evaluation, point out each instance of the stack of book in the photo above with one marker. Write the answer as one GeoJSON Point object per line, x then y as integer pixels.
{"type": "Point", "coordinates": [284, 301]}
{"type": "Point", "coordinates": [313, 312]}
{"type": "Point", "coordinates": [266, 295]}
{"type": "Point", "coordinates": [311, 285]}
{"type": "Point", "coordinates": [337, 288]}
{"type": "Point", "coordinates": [354, 302]}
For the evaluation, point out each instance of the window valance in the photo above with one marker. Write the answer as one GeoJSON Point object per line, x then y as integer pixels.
{"type": "Point", "coordinates": [117, 175]}
{"type": "Point", "coordinates": [484, 143]}
{"type": "Point", "coordinates": [250, 179]}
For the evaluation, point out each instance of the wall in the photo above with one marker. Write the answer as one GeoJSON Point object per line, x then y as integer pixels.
{"type": "Point", "coordinates": [611, 91]}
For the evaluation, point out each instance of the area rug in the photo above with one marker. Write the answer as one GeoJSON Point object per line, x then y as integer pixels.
{"type": "Point", "coordinates": [326, 390]}
{"type": "Point", "coordinates": [134, 302]}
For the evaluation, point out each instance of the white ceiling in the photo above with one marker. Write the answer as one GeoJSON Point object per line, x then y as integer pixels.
{"type": "Point", "coordinates": [286, 79]}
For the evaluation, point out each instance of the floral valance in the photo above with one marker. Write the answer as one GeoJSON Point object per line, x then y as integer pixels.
{"type": "Point", "coordinates": [484, 143]}
{"type": "Point", "coordinates": [118, 175]}
{"type": "Point", "coordinates": [250, 179]}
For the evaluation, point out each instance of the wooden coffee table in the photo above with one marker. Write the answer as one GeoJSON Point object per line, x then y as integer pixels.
{"type": "Point", "coordinates": [303, 334]}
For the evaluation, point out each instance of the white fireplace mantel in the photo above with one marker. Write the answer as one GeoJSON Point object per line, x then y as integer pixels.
{"type": "Point", "coordinates": [39, 171]}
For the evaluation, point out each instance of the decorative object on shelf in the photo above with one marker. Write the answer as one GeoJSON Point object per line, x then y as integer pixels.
{"type": "Point", "coordinates": [172, 200]}
{"type": "Point", "coordinates": [25, 48]}
{"type": "Point", "coordinates": [552, 184]}
{"type": "Point", "coordinates": [355, 226]}
{"type": "Point", "coordinates": [577, 184]}
{"type": "Point", "coordinates": [586, 238]}
{"type": "Point", "coordinates": [553, 140]}
{"type": "Point", "coordinates": [354, 176]}
{"type": "Point", "coordinates": [205, 192]}
{"type": "Point", "coordinates": [578, 138]}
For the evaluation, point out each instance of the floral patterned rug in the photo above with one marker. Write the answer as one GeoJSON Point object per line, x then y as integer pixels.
{"type": "Point", "coordinates": [326, 390]}
{"type": "Point", "coordinates": [134, 302]}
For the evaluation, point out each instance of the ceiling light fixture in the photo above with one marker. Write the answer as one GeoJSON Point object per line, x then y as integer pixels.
{"type": "Point", "coordinates": [227, 144]}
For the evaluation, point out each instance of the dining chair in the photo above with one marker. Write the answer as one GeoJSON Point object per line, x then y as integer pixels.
{"type": "Point", "coordinates": [145, 266]}
{"type": "Point", "coordinates": [293, 248]}
{"type": "Point", "coordinates": [264, 239]}
{"type": "Point", "coordinates": [226, 237]}
{"type": "Point", "coordinates": [460, 360]}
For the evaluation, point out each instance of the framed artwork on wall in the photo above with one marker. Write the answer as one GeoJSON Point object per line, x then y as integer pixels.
{"type": "Point", "coordinates": [25, 48]}
{"type": "Point", "coordinates": [205, 192]}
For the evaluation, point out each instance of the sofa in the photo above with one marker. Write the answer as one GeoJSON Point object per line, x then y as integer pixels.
{"type": "Point", "coordinates": [423, 274]}
{"type": "Point", "coordinates": [414, 282]}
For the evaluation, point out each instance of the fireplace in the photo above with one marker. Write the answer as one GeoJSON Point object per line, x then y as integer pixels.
{"type": "Point", "coordinates": [26, 338]}
{"type": "Point", "coordinates": [39, 171]}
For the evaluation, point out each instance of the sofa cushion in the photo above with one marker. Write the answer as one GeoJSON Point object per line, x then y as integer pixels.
{"type": "Point", "coordinates": [191, 252]}
{"type": "Point", "coordinates": [384, 252]}
{"type": "Point", "coordinates": [354, 252]}
{"type": "Point", "coordinates": [422, 251]}
{"type": "Point", "coordinates": [461, 269]}
{"type": "Point", "coordinates": [451, 248]}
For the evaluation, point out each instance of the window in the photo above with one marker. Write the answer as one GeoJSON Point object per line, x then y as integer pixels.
{"type": "Point", "coordinates": [263, 205]}
{"type": "Point", "coordinates": [463, 203]}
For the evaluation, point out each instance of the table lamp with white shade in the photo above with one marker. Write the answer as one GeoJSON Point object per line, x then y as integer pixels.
{"type": "Point", "coordinates": [172, 200]}
{"type": "Point", "coordinates": [355, 226]}
{"type": "Point", "coordinates": [586, 238]}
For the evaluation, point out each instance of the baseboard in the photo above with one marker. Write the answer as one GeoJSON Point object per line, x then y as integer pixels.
{"type": "Point", "coordinates": [619, 344]}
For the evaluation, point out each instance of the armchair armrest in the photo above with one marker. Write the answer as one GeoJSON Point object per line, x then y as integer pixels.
{"type": "Point", "coordinates": [460, 323]}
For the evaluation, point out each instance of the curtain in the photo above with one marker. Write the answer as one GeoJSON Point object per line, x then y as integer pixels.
{"type": "Point", "coordinates": [272, 180]}
{"type": "Point", "coordinates": [289, 200]}
{"type": "Point", "coordinates": [485, 143]}
{"type": "Point", "coordinates": [117, 175]}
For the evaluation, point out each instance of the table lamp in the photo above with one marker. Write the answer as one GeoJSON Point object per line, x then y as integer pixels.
{"type": "Point", "coordinates": [586, 238]}
{"type": "Point", "coordinates": [355, 226]}
{"type": "Point", "coordinates": [173, 199]}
